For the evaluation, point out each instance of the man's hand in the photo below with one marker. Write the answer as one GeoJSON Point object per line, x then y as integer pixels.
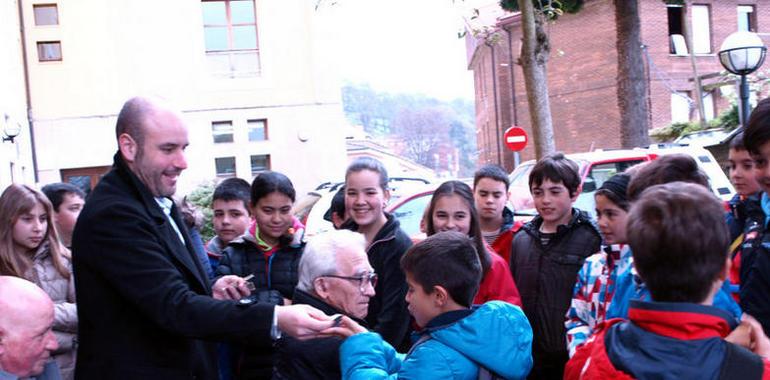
{"type": "Point", "coordinates": [302, 321]}
{"type": "Point", "coordinates": [230, 288]}
{"type": "Point", "coordinates": [345, 328]}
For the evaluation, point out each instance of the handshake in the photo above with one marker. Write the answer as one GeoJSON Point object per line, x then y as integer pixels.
{"type": "Point", "coordinates": [299, 321]}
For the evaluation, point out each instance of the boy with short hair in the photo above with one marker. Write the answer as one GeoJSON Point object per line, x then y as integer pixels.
{"type": "Point", "coordinates": [755, 258]}
{"type": "Point", "coordinates": [678, 335]}
{"type": "Point", "coordinates": [232, 215]}
{"type": "Point", "coordinates": [456, 342]}
{"type": "Point", "coordinates": [745, 218]}
{"type": "Point", "coordinates": [67, 201]}
{"type": "Point", "coordinates": [490, 191]}
{"type": "Point", "coordinates": [546, 255]}
{"type": "Point", "coordinates": [336, 213]}
{"type": "Point", "coordinates": [670, 168]}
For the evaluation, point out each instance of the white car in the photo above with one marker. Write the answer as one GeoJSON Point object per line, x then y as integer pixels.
{"type": "Point", "coordinates": [597, 166]}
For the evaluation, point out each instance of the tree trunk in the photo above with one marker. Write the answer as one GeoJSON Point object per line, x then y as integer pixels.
{"type": "Point", "coordinates": [534, 56]}
{"type": "Point", "coordinates": [632, 84]}
{"type": "Point", "coordinates": [697, 87]}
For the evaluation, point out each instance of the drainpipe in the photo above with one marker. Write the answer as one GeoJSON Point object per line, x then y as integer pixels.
{"type": "Point", "coordinates": [27, 91]}
{"type": "Point", "coordinates": [516, 157]}
{"type": "Point", "coordinates": [513, 79]}
{"type": "Point", "coordinates": [494, 92]}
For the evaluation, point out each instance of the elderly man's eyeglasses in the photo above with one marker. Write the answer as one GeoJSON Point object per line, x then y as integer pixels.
{"type": "Point", "coordinates": [366, 278]}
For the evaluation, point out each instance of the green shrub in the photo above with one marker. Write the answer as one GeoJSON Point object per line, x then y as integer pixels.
{"type": "Point", "coordinates": [201, 198]}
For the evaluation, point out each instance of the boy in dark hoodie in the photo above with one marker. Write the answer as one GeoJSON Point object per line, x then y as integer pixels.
{"type": "Point", "coordinates": [546, 255]}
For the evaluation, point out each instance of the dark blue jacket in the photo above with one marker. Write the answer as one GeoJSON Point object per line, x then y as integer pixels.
{"type": "Point", "coordinates": [665, 340]}
{"type": "Point", "coordinates": [755, 273]}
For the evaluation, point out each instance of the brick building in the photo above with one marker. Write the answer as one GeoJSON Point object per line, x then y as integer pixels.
{"type": "Point", "coordinates": [582, 70]}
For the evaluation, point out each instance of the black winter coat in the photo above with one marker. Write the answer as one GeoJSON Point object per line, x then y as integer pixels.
{"type": "Point", "coordinates": [276, 275]}
{"type": "Point", "coordinates": [309, 359]}
{"type": "Point", "coordinates": [546, 275]}
{"type": "Point", "coordinates": [388, 314]}
{"type": "Point", "coordinates": [144, 302]}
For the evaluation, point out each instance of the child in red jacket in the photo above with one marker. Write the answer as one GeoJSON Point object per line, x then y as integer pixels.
{"type": "Point", "coordinates": [679, 242]}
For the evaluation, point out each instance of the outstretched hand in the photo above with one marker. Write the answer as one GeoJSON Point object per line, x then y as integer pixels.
{"type": "Point", "coordinates": [344, 328]}
{"type": "Point", "coordinates": [303, 321]}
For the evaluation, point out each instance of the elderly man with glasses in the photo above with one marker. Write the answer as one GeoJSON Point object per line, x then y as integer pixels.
{"type": "Point", "coordinates": [335, 277]}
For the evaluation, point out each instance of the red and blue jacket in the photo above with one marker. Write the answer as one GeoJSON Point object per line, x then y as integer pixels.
{"type": "Point", "coordinates": [662, 340]}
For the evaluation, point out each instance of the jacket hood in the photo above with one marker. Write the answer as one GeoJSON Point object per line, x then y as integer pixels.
{"type": "Point", "coordinates": [507, 219]}
{"type": "Point", "coordinates": [494, 324]}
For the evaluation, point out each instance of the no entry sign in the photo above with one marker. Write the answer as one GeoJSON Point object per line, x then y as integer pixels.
{"type": "Point", "coordinates": [515, 138]}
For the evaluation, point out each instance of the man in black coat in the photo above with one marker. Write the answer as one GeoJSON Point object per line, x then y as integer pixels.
{"type": "Point", "coordinates": [334, 276]}
{"type": "Point", "coordinates": [145, 304]}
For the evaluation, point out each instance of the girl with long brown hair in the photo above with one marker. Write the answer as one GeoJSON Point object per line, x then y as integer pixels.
{"type": "Point", "coordinates": [30, 248]}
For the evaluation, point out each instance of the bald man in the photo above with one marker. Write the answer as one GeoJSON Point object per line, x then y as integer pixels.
{"type": "Point", "coordinates": [145, 305]}
{"type": "Point", "coordinates": [26, 337]}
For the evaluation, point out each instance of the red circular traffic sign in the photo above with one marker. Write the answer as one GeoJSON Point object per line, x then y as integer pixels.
{"type": "Point", "coordinates": [515, 138]}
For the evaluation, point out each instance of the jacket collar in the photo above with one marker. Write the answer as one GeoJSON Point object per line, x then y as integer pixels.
{"type": "Point", "coordinates": [507, 219]}
{"type": "Point", "coordinates": [302, 297]}
{"type": "Point", "coordinates": [140, 189]}
{"type": "Point", "coordinates": [443, 320]}
{"type": "Point", "coordinates": [686, 321]}
{"type": "Point", "coordinates": [579, 217]}
{"type": "Point", "coordinates": [185, 253]}
{"type": "Point", "coordinates": [388, 230]}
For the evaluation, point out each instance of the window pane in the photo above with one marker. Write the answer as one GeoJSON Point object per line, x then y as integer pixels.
{"type": "Point", "coordinates": [745, 13]}
{"type": "Point", "coordinates": [245, 62]}
{"type": "Point", "coordinates": [410, 213]}
{"type": "Point", "coordinates": [222, 131]}
{"type": "Point", "coordinates": [257, 130]}
{"type": "Point", "coordinates": [260, 163]}
{"type": "Point", "coordinates": [46, 14]}
{"type": "Point", "coordinates": [242, 11]}
{"type": "Point", "coordinates": [701, 29]}
{"type": "Point", "coordinates": [225, 166]}
{"type": "Point", "coordinates": [218, 63]}
{"type": "Point", "coordinates": [83, 182]}
{"type": "Point", "coordinates": [214, 13]}
{"type": "Point", "coordinates": [708, 106]}
{"type": "Point", "coordinates": [680, 108]}
{"type": "Point", "coordinates": [245, 37]}
{"type": "Point", "coordinates": [49, 51]}
{"type": "Point", "coordinates": [216, 38]}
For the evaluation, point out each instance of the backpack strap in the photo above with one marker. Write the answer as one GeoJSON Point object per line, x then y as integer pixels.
{"type": "Point", "coordinates": [740, 363]}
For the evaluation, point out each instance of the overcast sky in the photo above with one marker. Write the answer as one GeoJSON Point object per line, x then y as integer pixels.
{"type": "Point", "coordinates": [408, 46]}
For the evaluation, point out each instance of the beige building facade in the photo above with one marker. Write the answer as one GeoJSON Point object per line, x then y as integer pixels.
{"type": "Point", "coordinates": [257, 91]}
{"type": "Point", "coordinates": [16, 162]}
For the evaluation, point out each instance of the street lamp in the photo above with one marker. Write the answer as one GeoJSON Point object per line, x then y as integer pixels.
{"type": "Point", "coordinates": [741, 54]}
{"type": "Point", "coordinates": [10, 129]}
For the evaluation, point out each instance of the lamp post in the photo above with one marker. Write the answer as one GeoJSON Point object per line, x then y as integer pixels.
{"type": "Point", "coordinates": [741, 54]}
{"type": "Point", "coordinates": [10, 129]}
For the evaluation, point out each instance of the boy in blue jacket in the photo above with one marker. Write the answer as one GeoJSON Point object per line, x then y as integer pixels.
{"type": "Point", "coordinates": [456, 342]}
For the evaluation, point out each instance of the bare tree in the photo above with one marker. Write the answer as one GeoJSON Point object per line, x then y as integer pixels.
{"type": "Point", "coordinates": [421, 132]}
{"type": "Point", "coordinates": [632, 84]}
{"type": "Point", "coordinates": [535, 49]}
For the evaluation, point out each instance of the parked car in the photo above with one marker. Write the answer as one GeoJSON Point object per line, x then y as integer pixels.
{"type": "Point", "coordinates": [597, 166]}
